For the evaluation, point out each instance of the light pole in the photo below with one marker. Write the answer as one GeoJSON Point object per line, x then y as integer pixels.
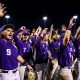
{"type": "Point", "coordinates": [7, 17]}
{"type": "Point", "coordinates": [44, 18]}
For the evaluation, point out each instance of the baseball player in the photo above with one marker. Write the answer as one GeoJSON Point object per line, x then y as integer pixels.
{"type": "Point", "coordinates": [8, 55]}
{"type": "Point", "coordinates": [53, 55]}
{"type": "Point", "coordinates": [76, 42]}
{"type": "Point", "coordinates": [41, 45]}
{"type": "Point", "coordinates": [24, 48]}
{"type": "Point", "coordinates": [8, 52]}
{"type": "Point", "coordinates": [27, 52]}
{"type": "Point", "coordinates": [66, 52]}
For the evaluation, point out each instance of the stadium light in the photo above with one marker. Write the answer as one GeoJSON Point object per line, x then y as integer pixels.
{"type": "Point", "coordinates": [7, 17]}
{"type": "Point", "coordinates": [45, 18]}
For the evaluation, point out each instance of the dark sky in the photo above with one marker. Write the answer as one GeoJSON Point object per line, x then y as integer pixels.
{"type": "Point", "coordinates": [30, 14]}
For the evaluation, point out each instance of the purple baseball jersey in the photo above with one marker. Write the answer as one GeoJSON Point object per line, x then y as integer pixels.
{"type": "Point", "coordinates": [8, 55]}
{"type": "Point", "coordinates": [52, 47]}
{"type": "Point", "coordinates": [77, 46]}
{"type": "Point", "coordinates": [41, 51]}
{"type": "Point", "coordinates": [65, 53]}
{"type": "Point", "coordinates": [24, 48]}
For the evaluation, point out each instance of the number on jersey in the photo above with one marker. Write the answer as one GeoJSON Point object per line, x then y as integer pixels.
{"type": "Point", "coordinates": [8, 51]}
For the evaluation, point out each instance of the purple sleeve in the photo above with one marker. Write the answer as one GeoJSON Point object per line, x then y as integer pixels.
{"type": "Point", "coordinates": [70, 27]}
{"type": "Point", "coordinates": [18, 42]}
{"type": "Point", "coordinates": [73, 40]}
{"type": "Point", "coordinates": [16, 33]}
{"type": "Point", "coordinates": [58, 43]}
{"type": "Point", "coordinates": [53, 49]}
{"type": "Point", "coordinates": [33, 39]}
{"type": "Point", "coordinates": [1, 41]}
{"type": "Point", "coordinates": [54, 44]}
{"type": "Point", "coordinates": [19, 45]}
{"type": "Point", "coordinates": [73, 50]}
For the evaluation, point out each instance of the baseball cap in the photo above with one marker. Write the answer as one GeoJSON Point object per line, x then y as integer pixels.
{"type": "Point", "coordinates": [4, 27]}
{"type": "Point", "coordinates": [26, 32]}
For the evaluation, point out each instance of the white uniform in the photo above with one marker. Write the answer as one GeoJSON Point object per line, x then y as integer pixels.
{"type": "Point", "coordinates": [9, 74]}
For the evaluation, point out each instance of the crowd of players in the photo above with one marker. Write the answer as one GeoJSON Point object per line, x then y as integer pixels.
{"type": "Point", "coordinates": [40, 54]}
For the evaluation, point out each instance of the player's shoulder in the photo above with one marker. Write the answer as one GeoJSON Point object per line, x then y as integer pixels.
{"type": "Point", "coordinates": [2, 42]}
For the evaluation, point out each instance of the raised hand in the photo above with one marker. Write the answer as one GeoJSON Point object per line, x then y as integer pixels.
{"type": "Point", "coordinates": [39, 29]}
{"type": "Point", "coordinates": [30, 68]}
{"type": "Point", "coordinates": [71, 21]}
{"type": "Point", "coordinates": [52, 27]}
{"type": "Point", "coordinates": [23, 28]}
{"type": "Point", "coordinates": [2, 10]}
{"type": "Point", "coordinates": [77, 33]}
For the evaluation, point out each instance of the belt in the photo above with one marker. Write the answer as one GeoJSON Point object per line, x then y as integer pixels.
{"type": "Point", "coordinates": [4, 71]}
{"type": "Point", "coordinates": [67, 67]}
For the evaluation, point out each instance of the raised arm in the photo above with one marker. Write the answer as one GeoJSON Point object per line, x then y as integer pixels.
{"type": "Point", "coordinates": [77, 33]}
{"type": "Point", "coordinates": [68, 33]}
{"type": "Point", "coordinates": [38, 31]}
{"type": "Point", "coordinates": [50, 32]}
{"type": "Point", "coordinates": [2, 10]}
{"type": "Point", "coordinates": [16, 34]}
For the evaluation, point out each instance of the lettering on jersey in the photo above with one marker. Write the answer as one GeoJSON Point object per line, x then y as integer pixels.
{"type": "Point", "coordinates": [74, 50]}
{"type": "Point", "coordinates": [71, 56]}
{"type": "Point", "coordinates": [8, 52]}
{"type": "Point", "coordinates": [71, 49]}
{"type": "Point", "coordinates": [24, 49]}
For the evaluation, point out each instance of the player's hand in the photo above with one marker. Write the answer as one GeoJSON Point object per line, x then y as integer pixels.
{"type": "Point", "coordinates": [45, 30]}
{"type": "Point", "coordinates": [2, 10]}
{"type": "Point", "coordinates": [78, 30]}
{"type": "Point", "coordinates": [77, 33]}
{"type": "Point", "coordinates": [52, 28]}
{"type": "Point", "coordinates": [23, 28]}
{"type": "Point", "coordinates": [49, 54]}
{"type": "Point", "coordinates": [30, 68]}
{"type": "Point", "coordinates": [39, 29]}
{"type": "Point", "coordinates": [71, 21]}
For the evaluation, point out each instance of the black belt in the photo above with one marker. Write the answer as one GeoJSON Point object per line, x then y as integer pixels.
{"type": "Point", "coordinates": [68, 67]}
{"type": "Point", "coordinates": [3, 71]}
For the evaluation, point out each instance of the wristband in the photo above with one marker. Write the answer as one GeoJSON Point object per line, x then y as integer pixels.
{"type": "Point", "coordinates": [69, 27]}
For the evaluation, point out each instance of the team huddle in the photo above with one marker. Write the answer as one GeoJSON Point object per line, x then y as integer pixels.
{"type": "Point", "coordinates": [40, 54]}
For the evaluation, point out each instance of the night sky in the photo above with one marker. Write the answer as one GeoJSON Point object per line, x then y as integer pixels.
{"type": "Point", "coordinates": [30, 14]}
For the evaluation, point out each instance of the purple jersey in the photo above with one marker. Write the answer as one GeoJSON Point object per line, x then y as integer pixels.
{"type": "Point", "coordinates": [24, 48]}
{"type": "Point", "coordinates": [59, 41]}
{"type": "Point", "coordinates": [27, 51]}
{"type": "Point", "coordinates": [65, 54]}
{"type": "Point", "coordinates": [77, 46]}
{"type": "Point", "coordinates": [33, 39]}
{"type": "Point", "coordinates": [41, 51]}
{"type": "Point", "coordinates": [52, 47]}
{"type": "Point", "coordinates": [18, 42]}
{"type": "Point", "coordinates": [8, 55]}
